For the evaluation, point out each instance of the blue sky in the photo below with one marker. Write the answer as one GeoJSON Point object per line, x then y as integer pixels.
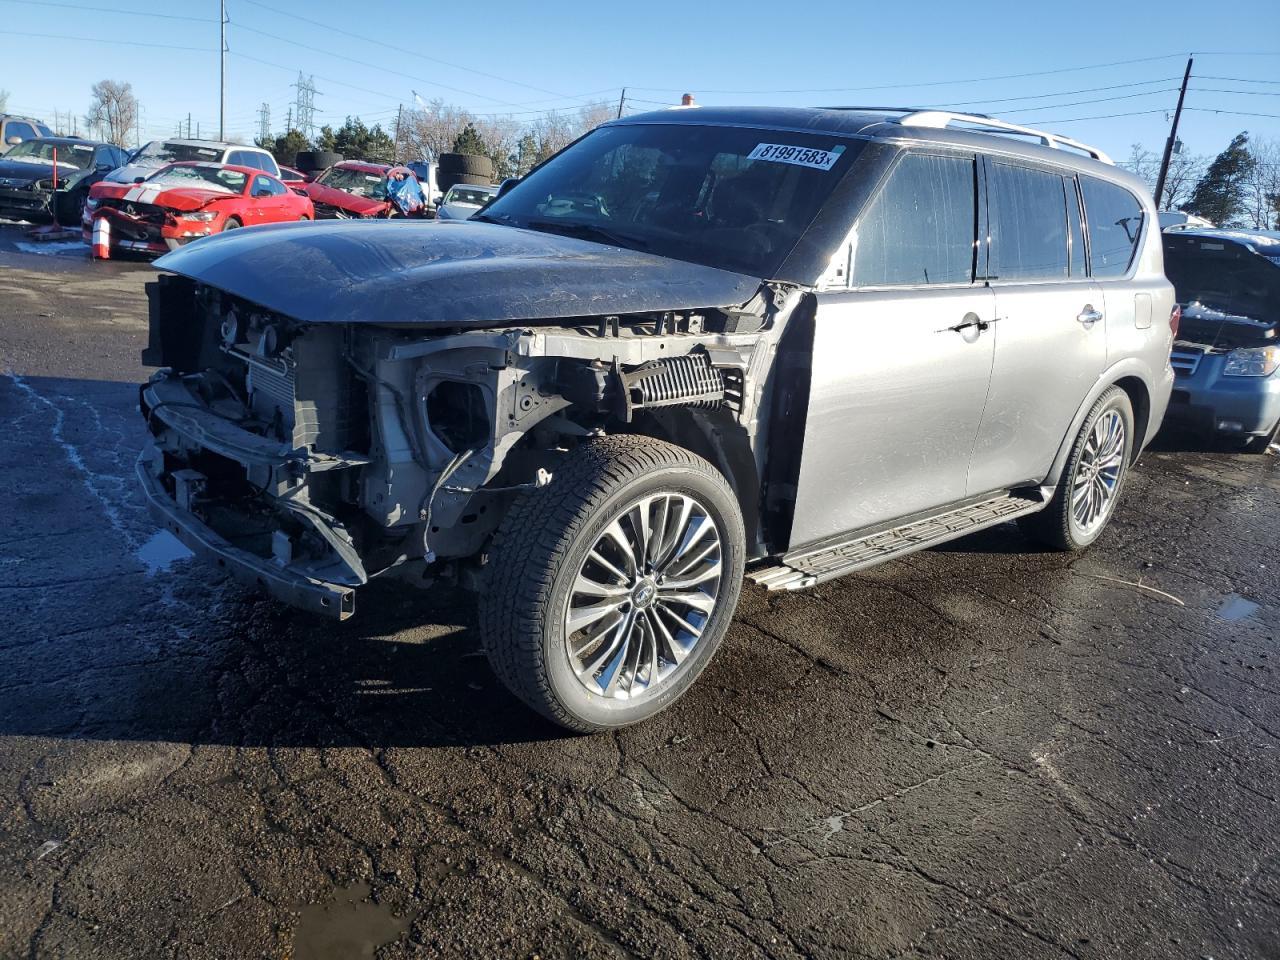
{"type": "Point", "coordinates": [520, 58]}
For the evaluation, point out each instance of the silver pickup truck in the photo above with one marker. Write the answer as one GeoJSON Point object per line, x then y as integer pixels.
{"type": "Point", "coordinates": [694, 345]}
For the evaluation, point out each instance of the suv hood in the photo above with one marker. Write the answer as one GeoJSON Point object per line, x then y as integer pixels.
{"type": "Point", "coordinates": [139, 168]}
{"type": "Point", "coordinates": [452, 273]}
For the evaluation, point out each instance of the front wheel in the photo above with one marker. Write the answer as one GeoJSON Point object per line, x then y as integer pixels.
{"type": "Point", "coordinates": [1092, 479]}
{"type": "Point", "coordinates": [611, 588]}
{"type": "Point", "coordinates": [231, 224]}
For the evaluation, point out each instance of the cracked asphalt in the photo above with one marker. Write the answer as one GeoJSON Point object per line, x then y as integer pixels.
{"type": "Point", "coordinates": [981, 751]}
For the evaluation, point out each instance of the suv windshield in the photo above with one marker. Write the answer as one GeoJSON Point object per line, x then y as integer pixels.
{"type": "Point", "coordinates": [371, 185]}
{"type": "Point", "coordinates": [726, 197]}
{"type": "Point", "coordinates": [202, 176]}
{"type": "Point", "coordinates": [77, 156]}
{"type": "Point", "coordinates": [158, 152]}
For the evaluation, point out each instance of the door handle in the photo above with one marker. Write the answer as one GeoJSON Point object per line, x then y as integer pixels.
{"type": "Point", "coordinates": [970, 321]}
{"type": "Point", "coordinates": [1089, 316]}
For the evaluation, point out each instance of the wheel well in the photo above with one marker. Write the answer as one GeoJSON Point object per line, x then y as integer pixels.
{"type": "Point", "coordinates": [1141, 401]}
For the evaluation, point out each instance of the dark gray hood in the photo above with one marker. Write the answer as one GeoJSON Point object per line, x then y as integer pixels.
{"type": "Point", "coordinates": [397, 272]}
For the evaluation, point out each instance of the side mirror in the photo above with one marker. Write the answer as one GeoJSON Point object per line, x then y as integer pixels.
{"type": "Point", "coordinates": [13, 141]}
{"type": "Point", "coordinates": [261, 192]}
{"type": "Point", "coordinates": [507, 186]}
{"type": "Point", "coordinates": [139, 179]}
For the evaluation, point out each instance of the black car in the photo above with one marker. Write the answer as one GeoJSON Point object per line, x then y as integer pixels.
{"type": "Point", "coordinates": [47, 179]}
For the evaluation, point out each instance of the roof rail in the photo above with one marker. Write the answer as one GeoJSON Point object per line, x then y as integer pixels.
{"type": "Point", "coordinates": [941, 119]}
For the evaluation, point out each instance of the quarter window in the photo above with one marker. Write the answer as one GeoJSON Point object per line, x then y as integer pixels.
{"type": "Point", "coordinates": [920, 227]}
{"type": "Point", "coordinates": [1028, 224]}
{"type": "Point", "coordinates": [1115, 223]}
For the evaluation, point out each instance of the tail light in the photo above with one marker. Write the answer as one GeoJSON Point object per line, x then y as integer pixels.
{"type": "Point", "coordinates": [1175, 319]}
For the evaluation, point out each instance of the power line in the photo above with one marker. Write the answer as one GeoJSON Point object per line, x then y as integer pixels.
{"type": "Point", "coordinates": [113, 41]}
{"type": "Point", "coordinates": [937, 83]}
{"type": "Point", "coordinates": [366, 64]}
{"type": "Point", "coordinates": [1063, 93]}
{"type": "Point", "coordinates": [1078, 103]}
{"type": "Point", "coordinates": [405, 50]}
{"type": "Point", "coordinates": [136, 13]}
{"type": "Point", "coordinates": [1104, 116]}
{"type": "Point", "coordinates": [1245, 93]}
{"type": "Point", "coordinates": [1237, 79]}
{"type": "Point", "coordinates": [1235, 113]}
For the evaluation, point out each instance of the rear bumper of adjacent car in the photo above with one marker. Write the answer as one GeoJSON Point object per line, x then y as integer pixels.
{"type": "Point", "coordinates": [1205, 401]}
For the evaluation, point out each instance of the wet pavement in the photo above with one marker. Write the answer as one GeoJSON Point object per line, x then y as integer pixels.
{"type": "Point", "coordinates": [978, 751]}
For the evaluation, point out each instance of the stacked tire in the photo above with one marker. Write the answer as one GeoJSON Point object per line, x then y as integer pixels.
{"type": "Point", "coordinates": [464, 168]}
{"type": "Point", "coordinates": [315, 161]}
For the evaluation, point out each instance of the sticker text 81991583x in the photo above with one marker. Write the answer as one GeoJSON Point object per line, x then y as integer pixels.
{"type": "Point", "coordinates": [800, 156]}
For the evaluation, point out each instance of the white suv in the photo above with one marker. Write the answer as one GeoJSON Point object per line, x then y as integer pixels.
{"type": "Point", "coordinates": [158, 153]}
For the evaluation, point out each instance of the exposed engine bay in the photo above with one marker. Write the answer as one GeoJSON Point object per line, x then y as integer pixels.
{"type": "Point", "coordinates": [337, 452]}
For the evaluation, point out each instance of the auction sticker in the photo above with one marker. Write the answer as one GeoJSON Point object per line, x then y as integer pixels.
{"type": "Point", "coordinates": [800, 156]}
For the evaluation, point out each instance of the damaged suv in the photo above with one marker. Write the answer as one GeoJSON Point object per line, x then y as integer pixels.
{"type": "Point", "coordinates": [694, 344]}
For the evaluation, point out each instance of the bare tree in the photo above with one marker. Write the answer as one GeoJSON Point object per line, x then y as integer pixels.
{"type": "Point", "coordinates": [1184, 171]}
{"type": "Point", "coordinates": [431, 129]}
{"type": "Point", "coordinates": [114, 111]}
{"type": "Point", "coordinates": [1262, 186]}
{"type": "Point", "coordinates": [4, 101]}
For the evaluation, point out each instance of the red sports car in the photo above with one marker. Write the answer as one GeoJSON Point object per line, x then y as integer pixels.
{"type": "Point", "coordinates": [184, 202]}
{"type": "Point", "coordinates": [357, 189]}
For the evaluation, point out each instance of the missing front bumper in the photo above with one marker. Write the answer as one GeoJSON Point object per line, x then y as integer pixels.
{"type": "Point", "coordinates": [280, 581]}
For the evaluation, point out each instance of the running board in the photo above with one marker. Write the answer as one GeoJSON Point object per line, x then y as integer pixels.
{"type": "Point", "coordinates": [804, 568]}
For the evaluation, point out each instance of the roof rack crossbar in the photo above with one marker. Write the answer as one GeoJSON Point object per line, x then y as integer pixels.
{"type": "Point", "coordinates": [941, 119]}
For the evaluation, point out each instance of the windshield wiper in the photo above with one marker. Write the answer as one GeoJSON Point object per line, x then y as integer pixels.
{"type": "Point", "coordinates": [586, 231]}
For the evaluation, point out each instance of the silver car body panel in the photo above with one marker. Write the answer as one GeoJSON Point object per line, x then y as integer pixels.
{"type": "Point", "coordinates": [895, 400]}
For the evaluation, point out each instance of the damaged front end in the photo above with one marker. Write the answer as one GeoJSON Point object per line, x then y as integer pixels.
{"type": "Point", "coordinates": [311, 458]}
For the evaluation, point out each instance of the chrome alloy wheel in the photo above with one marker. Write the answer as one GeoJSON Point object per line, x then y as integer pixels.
{"type": "Point", "coordinates": [1097, 478]}
{"type": "Point", "coordinates": [643, 596]}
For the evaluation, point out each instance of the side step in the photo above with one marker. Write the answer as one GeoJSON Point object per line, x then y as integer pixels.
{"type": "Point", "coordinates": [804, 568]}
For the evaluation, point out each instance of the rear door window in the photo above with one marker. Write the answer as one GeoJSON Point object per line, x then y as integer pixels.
{"type": "Point", "coordinates": [1028, 215]}
{"type": "Point", "coordinates": [1115, 225]}
{"type": "Point", "coordinates": [920, 228]}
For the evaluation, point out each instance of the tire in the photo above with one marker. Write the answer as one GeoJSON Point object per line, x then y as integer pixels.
{"type": "Point", "coordinates": [472, 179]}
{"type": "Point", "coordinates": [231, 223]}
{"type": "Point", "coordinates": [1058, 525]}
{"type": "Point", "coordinates": [312, 161]}
{"type": "Point", "coordinates": [467, 163]}
{"type": "Point", "coordinates": [539, 561]}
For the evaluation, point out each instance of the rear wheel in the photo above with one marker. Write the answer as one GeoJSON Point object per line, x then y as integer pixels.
{"type": "Point", "coordinates": [1092, 479]}
{"type": "Point", "coordinates": [612, 587]}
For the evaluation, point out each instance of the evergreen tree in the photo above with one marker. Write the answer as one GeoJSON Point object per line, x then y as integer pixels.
{"type": "Point", "coordinates": [470, 141]}
{"type": "Point", "coordinates": [1219, 194]}
{"type": "Point", "coordinates": [286, 146]}
{"type": "Point", "coordinates": [355, 141]}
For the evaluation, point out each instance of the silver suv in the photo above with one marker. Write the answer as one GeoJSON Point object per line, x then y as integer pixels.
{"type": "Point", "coordinates": [693, 345]}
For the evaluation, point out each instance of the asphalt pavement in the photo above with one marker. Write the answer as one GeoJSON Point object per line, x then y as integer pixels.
{"type": "Point", "coordinates": [980, 751]}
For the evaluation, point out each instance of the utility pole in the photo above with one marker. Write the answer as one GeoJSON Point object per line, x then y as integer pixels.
{"type": "Point", "coordinates": [188, 125]}
{"type": "Point", "coordinates": [1173, 137]}
{"type": "Point", "coordinates": [288, 120]}
{"type": "Point", "coordinates": [622, 100]}
{"type": "Point", "coordinates": [399, 115]}
{"type": "Point", "coordinates": [222, 74]}
{"type": "Point", "coordinates": [264, 123]}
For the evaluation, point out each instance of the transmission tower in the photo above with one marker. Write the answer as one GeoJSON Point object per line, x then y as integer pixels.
{"type": "Point", "coordinates": [305, 104]}
{"type": "Point", "coordinates": [264, 123]}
